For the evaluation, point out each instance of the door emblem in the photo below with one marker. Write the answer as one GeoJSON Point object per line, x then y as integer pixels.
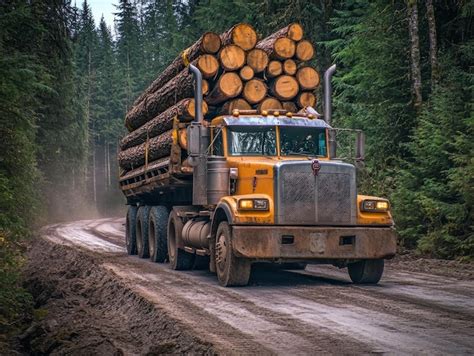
{"type": "Point", "coordinates": [316, 167]}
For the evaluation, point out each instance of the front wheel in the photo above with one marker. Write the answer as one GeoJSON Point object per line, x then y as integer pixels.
{"type": "Point", "coordinates": [366, 271]}
{"type": "Point", "coordinates": [231, 270]}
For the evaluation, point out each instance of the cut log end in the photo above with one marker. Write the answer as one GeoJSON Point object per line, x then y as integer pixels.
{"type": "Point", "coordinates": [285, 87]}
{"type": "Point", "coordinates": [274, 69]}
{"type": "Point", "coordinates": [246, 73]}
{"type": "Point", "coordinates": [284, 48]}
{"type": "Point", "coordinates": [254, 91]}
{"type": "Point", "coordinates": [205, 87]}
{"type": "Point", "coordinates": [289, 106]}
{"type": "Point", "coordinates": [208, 65]}
{"type": "Point", "coordinates": [257, 59]}
{"type": "Point", "coordinates": [304, 50]}
{"type": "Point", "coordinates": [228, 86]}
{"type": "Point", "coordinates": [239, 104]}
{"type": "Point", "coordinates": [244, 36]}
{"type": "Point", "coordinates": [191, 107]}
{"type": "Point", "coordinates": [232, 57]}
{"type": "Point", "coordinates": [269, 104]}
{"type": "Point", "coordinates": [211, 42]}
{"type": "Point", "coordinates": [289, 67]}
{"type": "Point", "coordinates": [308, 78]}
{"type": "Point", "coordinates": [306, 99]}
{"type": "Point", "coordinates": [295, 32]}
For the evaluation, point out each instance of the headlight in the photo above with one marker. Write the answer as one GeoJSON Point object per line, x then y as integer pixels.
{"type": "Point", "coordinates": [375, 206]}
{"type": "Point", "coordinates": [253, 204]}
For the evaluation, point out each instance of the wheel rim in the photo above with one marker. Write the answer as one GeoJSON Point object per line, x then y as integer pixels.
{"type": "Point", "coordinates": [221, 252]}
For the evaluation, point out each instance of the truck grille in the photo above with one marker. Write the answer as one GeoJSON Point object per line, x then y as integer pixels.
{"type": "Point", "coordinates": [305, 199]}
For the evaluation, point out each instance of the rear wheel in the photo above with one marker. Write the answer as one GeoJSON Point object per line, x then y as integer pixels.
{"type": "Point", "coordinates": [231, 270]}
{"type": "Point", "coordinates": [179, 259]}
{"type": "Point", "coordinates": [130, 230]}
{"type": "Point", "coordinates": [366, 271]}
{"type": "Point", "coordinates": [142, 231]}
{"type": "Point", "coordinates": [157, 233]}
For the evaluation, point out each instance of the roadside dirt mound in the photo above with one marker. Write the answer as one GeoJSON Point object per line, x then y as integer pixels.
{"type": "Point", "coordinates": [84, 310]}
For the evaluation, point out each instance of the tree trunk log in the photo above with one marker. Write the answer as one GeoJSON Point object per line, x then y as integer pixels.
{"type": "Point", "coordinates": [430, 14]}
{"type": "Point", "coordinates": [254, 91]}
{"type": "Point", "coordinates": [274, 69]}
{"type": "Point", "coordinates": [269, 104]}
{"type": "Point", "coordinates": [232, 57]}
{"type": "Point", "coordinates": [246, 73]}
{"type": "Point", "coordinates": [230, 106]}
{"type": "Point", "coordinates": [257, 59]}
{"type": "Point", "coordinates": [180, 87]}
{"type": "Point", "coordinates": [308, 78]}
{"type": "Point", "coordinates": [227, 87]}
{"type": "Point", "coordinates": [278, 47]}
{"type": "Point", "coordinates": [304, 50]}
{"type": "Point", "coordinates": [242, 35]}
{"type": "Point", "coordinates": [285, 87]}
{"type": "Point", "coordinates": [293, 31]}
{"type": "Point", "coordinates": [306, 98]}
{"type": "Point", "coordinates": [289, 106]}
{"type": "Point", "coordinates": [184, 111]}
{"type": "Point", "coordinates": [209, 42]}
{"type": "Point", "coordinates": [289, 67]}
{"type": "Point", "coordinates": [208, 65]}
{"type": "Point", "coordinates": [412, 9]}
{"type": "Point", "coordinates": [134, 157]}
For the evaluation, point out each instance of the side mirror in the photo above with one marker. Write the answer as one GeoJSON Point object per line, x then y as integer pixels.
{"type": "Point", "coordinates": [360, 146]}
{"type": "Point", "coordinates": [332, 144]}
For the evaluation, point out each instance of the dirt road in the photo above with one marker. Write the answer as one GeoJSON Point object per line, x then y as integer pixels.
{"type": "Point", "coordinates": [281, 312]}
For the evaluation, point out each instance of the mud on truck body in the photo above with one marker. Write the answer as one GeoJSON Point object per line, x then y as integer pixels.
{"type": "Point", "coordinates": [256, 187]}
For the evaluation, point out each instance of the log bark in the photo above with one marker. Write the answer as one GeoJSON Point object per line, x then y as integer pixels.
{"type": "Point", "coordinates": [435, 71]}
{"type": "Point", "coordinates": [254, 91]}
{"type": "Point", "coordinates": [274, 69]}
{"type": "Point", "coordinates": [134, 157]}
{"type": "Point", "coordinates": [209, 42]}
{"type": "Point", "coordinates": [293, 31]}
{"type": "Point", "coordinates": [257, 59]}
{"type": "Point", "coordinates": [184, 111]}
{"type": "Point", "coordinates": [289, 106]}
{"type": "Point", "coordinates": [269, 104]}
{"type": "Point", "coordinates": [412, 12]}
{"type": "Point", "coordinates": [306, 98]}
{"type": "Point", "coordinates": [308, 78]}
{"type": "Point", "coordinates": [278, 47]}
{"type": "Point", "coordinates": [242, 35]}
{"type": "Point", "coordinates": [246, 73]}
{"type": "Point", "coordinates": [231, 105]}
{"type": "Point", "coordinates": [285, 87]}
{"type": "Point", "coordinates": [304, 50]}
{"type": "Point", "coordinates": [290, 67]}
{"type": "Point", "coordinates": [232, 57]}
{"type": "Point", "coordinates": [180, 87]}
{"type": "Point", "coordinates": [227, 87]}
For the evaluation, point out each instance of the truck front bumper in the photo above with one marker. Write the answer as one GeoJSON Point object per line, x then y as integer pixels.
{"type": "Point", "coordinates": [302, 242]}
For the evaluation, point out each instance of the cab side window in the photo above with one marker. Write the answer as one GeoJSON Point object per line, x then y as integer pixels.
{"type": "Point", "coordinates": [217, 146]}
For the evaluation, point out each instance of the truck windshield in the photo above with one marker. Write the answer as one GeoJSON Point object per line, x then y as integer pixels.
{"type": "Point", "coordinates": [252, 140]}
{"type": "Point", "coordinates": [308, 141]}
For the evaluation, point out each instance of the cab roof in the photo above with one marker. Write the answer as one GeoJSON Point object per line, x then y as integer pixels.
{"type": "Point", "coordinates": [269, 120]}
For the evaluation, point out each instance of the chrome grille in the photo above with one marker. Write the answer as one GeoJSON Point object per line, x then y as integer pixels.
{"type": "Point", "coordinates": [305, 199]}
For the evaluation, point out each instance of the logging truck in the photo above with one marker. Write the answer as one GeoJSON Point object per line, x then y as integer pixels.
{"type": "Point", "coordinates": [256, 186]}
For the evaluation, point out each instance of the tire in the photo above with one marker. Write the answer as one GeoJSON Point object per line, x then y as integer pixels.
{"type": "Point", "coordinates": [300, 266]}
{"type": "Point", "coordinates": [142, 231]}
{"type": "Point", "coordinates": [366, 271]}
{"type": "Point", "coordinates": [130, 230]}
{"type": "Point", "coordinates": [157, 233]}
{"type": "Point", "coordinates": [231, 270]}
{"type": "Point", "coordinates": [180, 260]}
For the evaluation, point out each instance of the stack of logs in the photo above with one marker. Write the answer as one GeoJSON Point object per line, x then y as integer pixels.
{"type": "Point", "coordinates": [239, 72]}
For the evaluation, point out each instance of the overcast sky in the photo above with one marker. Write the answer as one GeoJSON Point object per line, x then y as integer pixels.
{"type": "Point", "coordinates": [102, 7]}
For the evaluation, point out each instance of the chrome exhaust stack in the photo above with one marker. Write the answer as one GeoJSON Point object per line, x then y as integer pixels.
{"type": "Point", "coordinates": [328, 93]}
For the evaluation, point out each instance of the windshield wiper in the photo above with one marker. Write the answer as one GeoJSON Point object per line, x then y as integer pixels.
{"type": "Point", "coordinates": [301, 153]}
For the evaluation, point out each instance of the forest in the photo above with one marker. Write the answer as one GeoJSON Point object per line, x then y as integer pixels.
{"type": "Point", "coordinates": [405, 76]}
